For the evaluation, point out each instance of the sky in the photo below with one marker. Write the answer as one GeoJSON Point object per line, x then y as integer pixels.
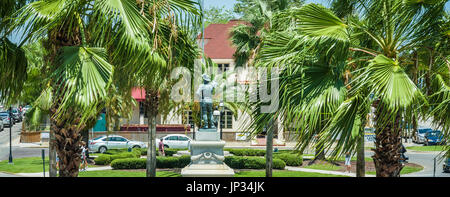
{"type": "Point", "coordinates": [229, 3]}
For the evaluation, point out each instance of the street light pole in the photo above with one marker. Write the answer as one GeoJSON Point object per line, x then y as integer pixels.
{"type": "Point", "coordinates": [10, 138]}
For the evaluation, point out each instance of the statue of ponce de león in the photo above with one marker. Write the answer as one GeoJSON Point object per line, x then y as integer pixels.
{"type": "Point", "coordinates": [204, 92]}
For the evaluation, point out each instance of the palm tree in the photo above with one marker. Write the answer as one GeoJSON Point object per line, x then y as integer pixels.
{"type": "Point", "coordinates": [325, 106]}
{"type": "Point", "coordinates": [171, 33]}
{"type": "Point", "coordinates": [248, 39]}
{"type": "Point", "coordinates": [404, 26]}
{"type": "Point", "coordinates": [85, 39]}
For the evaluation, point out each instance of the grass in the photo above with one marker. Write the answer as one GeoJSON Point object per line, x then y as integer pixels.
{"type": "Point", "coordinates": [124, 173]}
{"type": "Point", "coordinates": [27, 165]}
{"type": "Point", "coordinates": [282, 173]}
{"type": "Point", "coordinates": [426, 148]}
{"type": "Point", "coordinates": [24, 165]}
{"type": "Point", "coordinates": [327, 166]}
{"type": "Point", "coordinates": [405, 170]}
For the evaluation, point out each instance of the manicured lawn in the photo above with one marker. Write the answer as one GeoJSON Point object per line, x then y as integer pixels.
{"type": "Point", "coordinates": [405, 170]}
{"type": "Point", "coordinates": [426, 148]}
{"type": "Point", "coordinates": [124, 173]}
{"type": "Point", "coordinates": [24, 165]}
{"type": "Point", "coordinates": [324, 167]}
{"type": "Point", "coordinates": [282, 173]}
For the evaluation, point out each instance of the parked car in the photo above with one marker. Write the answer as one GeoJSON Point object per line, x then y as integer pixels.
{"type": "Point", "coordinates": [1, 124]}
{"type": "Point", "coordinates": [175, 141]}
{"type": "Point", "coordinates": [446, 166]}
{"type": "Point", "coordinates": [5, 119]}
{"type": "Point", "coordinates": [103, 143]}
{"type": "Point", "coordinates": [420, 135]}
{"type": "Point", "coordinates": [433, 138]}
{"type": "Point", "coordinates": [17, 115]}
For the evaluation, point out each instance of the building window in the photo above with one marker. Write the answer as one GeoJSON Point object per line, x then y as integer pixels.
{"type": "Point", "coordinates": [223, 67]}
{"type": "Point", "coordinates": [227, 119]}
{"type": "Point", "coordinates": [189, 118]}
{"type": "Point", "coordinates": [142, 109]}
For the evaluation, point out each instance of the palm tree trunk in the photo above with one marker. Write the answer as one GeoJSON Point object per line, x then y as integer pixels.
{"type": "Point", "coordinates": [52, 155]}
{"type": "Point", "coordinates": [269, 147]}
{"type": "Point", "coordinates": [151, 104]}
{"type": "Point", "coordinates": [360, 160]}
{"type": "Point", "coordinates": [67, 138]}
{"type": "Point", "coordinates": [387, 145]}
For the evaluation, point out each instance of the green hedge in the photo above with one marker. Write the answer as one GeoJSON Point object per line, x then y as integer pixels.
{"type": "Point", "coordinates": [290, 159]}
{"type": "Point", "coordinates": [246, 152]}
{"type": "Point", "coordinates": [167, 151]}
{"type": "Point", "coordinates": [106, 159]}
{"type": "Point", "coordinates": [239, 162]}
{"type": "Point", "coordinates": [161, 162]}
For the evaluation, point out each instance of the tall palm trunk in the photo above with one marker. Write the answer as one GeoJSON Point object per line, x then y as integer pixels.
{"type": "Point", "coordinates": [387, 145]}
{"type": "Point", "coordinates": [151, 104]}
{"type": "Point", "coordinates": [67, 144]}
{"type": "Point", "coordinates": [269, 147]}
{"type": "Point", "coordinates": [52, 155]}
{"type": "Point", "coordinates": [360, 160]}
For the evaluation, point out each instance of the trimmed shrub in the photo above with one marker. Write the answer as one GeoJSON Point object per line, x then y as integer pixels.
{"type": "Point", "coordinates": [238, 162]}
{"type": "Point", "coordinates": [161, 162]}
{"type": "Point", "coordinates": [106, 159]}
{"type": "Point", "coordinates": [290, 159]}
{"type": "Point", "coordinates": [168, 151]}
{"type": "Point", "coordinates": [129, 163]}
{"type": "Point", "coordinates": [103, 159]}
{"type": "Point", "coordinates": [246, 152]}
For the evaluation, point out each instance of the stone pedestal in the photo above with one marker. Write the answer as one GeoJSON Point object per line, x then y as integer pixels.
{"type": "Point", "coordinates": [207, 156]}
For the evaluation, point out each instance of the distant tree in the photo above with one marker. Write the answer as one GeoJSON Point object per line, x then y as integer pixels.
{"type": "Point", "coordinates": [217, 15]}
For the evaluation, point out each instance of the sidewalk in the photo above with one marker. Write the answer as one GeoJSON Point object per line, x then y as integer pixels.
{"type": "Point", "coordinates": [40, 174]}
{"type": "Point", "coordinates": [323, 171]}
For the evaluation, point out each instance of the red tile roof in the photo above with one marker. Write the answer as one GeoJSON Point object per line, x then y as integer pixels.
{"type": "Point", "coordinates": [217, 40]}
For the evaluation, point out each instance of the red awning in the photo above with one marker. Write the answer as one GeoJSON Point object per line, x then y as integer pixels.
{"type": "Point", "coordinates": [138, 94]}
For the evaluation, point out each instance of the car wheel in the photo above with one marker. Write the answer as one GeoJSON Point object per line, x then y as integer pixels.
{"type": "Point", "coordinates": [102, 149]}
{"type": "Point", "coordinates": [166, 146]}
{"type": "Point", "coordinates": [136, 146]}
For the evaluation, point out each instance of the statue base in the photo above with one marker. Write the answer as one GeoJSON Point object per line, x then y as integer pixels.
{"type": "Point", "coordinates": [207, 170]}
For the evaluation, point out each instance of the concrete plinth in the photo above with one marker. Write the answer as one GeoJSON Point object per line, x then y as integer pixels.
{"type": "Point", "coordinates": [207, 170]}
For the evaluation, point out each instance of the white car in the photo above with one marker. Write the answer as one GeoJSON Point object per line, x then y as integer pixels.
{"type": "Point", "coordinates": [103, 143]}
{"type": "Point", "coordinates": [175, 141]}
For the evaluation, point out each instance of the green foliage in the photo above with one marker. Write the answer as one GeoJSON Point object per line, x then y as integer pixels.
{"type": "Point", "coordinates": [217, 15]}
{"type": "Point", "coordinates": [238, 162]}
{"type": "Point", "coordinates": [113, 154]}
{"type": "Point", "coordinates": [246, 152]}
{"type": "Point", "coordinates": [290, 159]}
{"type": "Point", "coordinates": [161, 162]}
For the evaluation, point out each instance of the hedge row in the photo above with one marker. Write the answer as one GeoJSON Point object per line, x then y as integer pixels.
{"type": "Point", "coordinates": [246, 152]}
{"type": "Point", "coordinates": [167, 151]}
{"type": "Point", "coordinates": [161, 162]}
{"type": "Point", "coordinates": [238, 162]}
{"type": "Point", "coordinates": [290, 159]}
{"type": "Point", "coordinates": [105, 159]}
{"type": "Point", "coordinates": [235, 162]}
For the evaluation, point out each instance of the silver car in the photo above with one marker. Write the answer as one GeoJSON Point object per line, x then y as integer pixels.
{"type": "Point", "coordinates": [103, 143]}
{"type": "Point", "coordinates": [5, 119]}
